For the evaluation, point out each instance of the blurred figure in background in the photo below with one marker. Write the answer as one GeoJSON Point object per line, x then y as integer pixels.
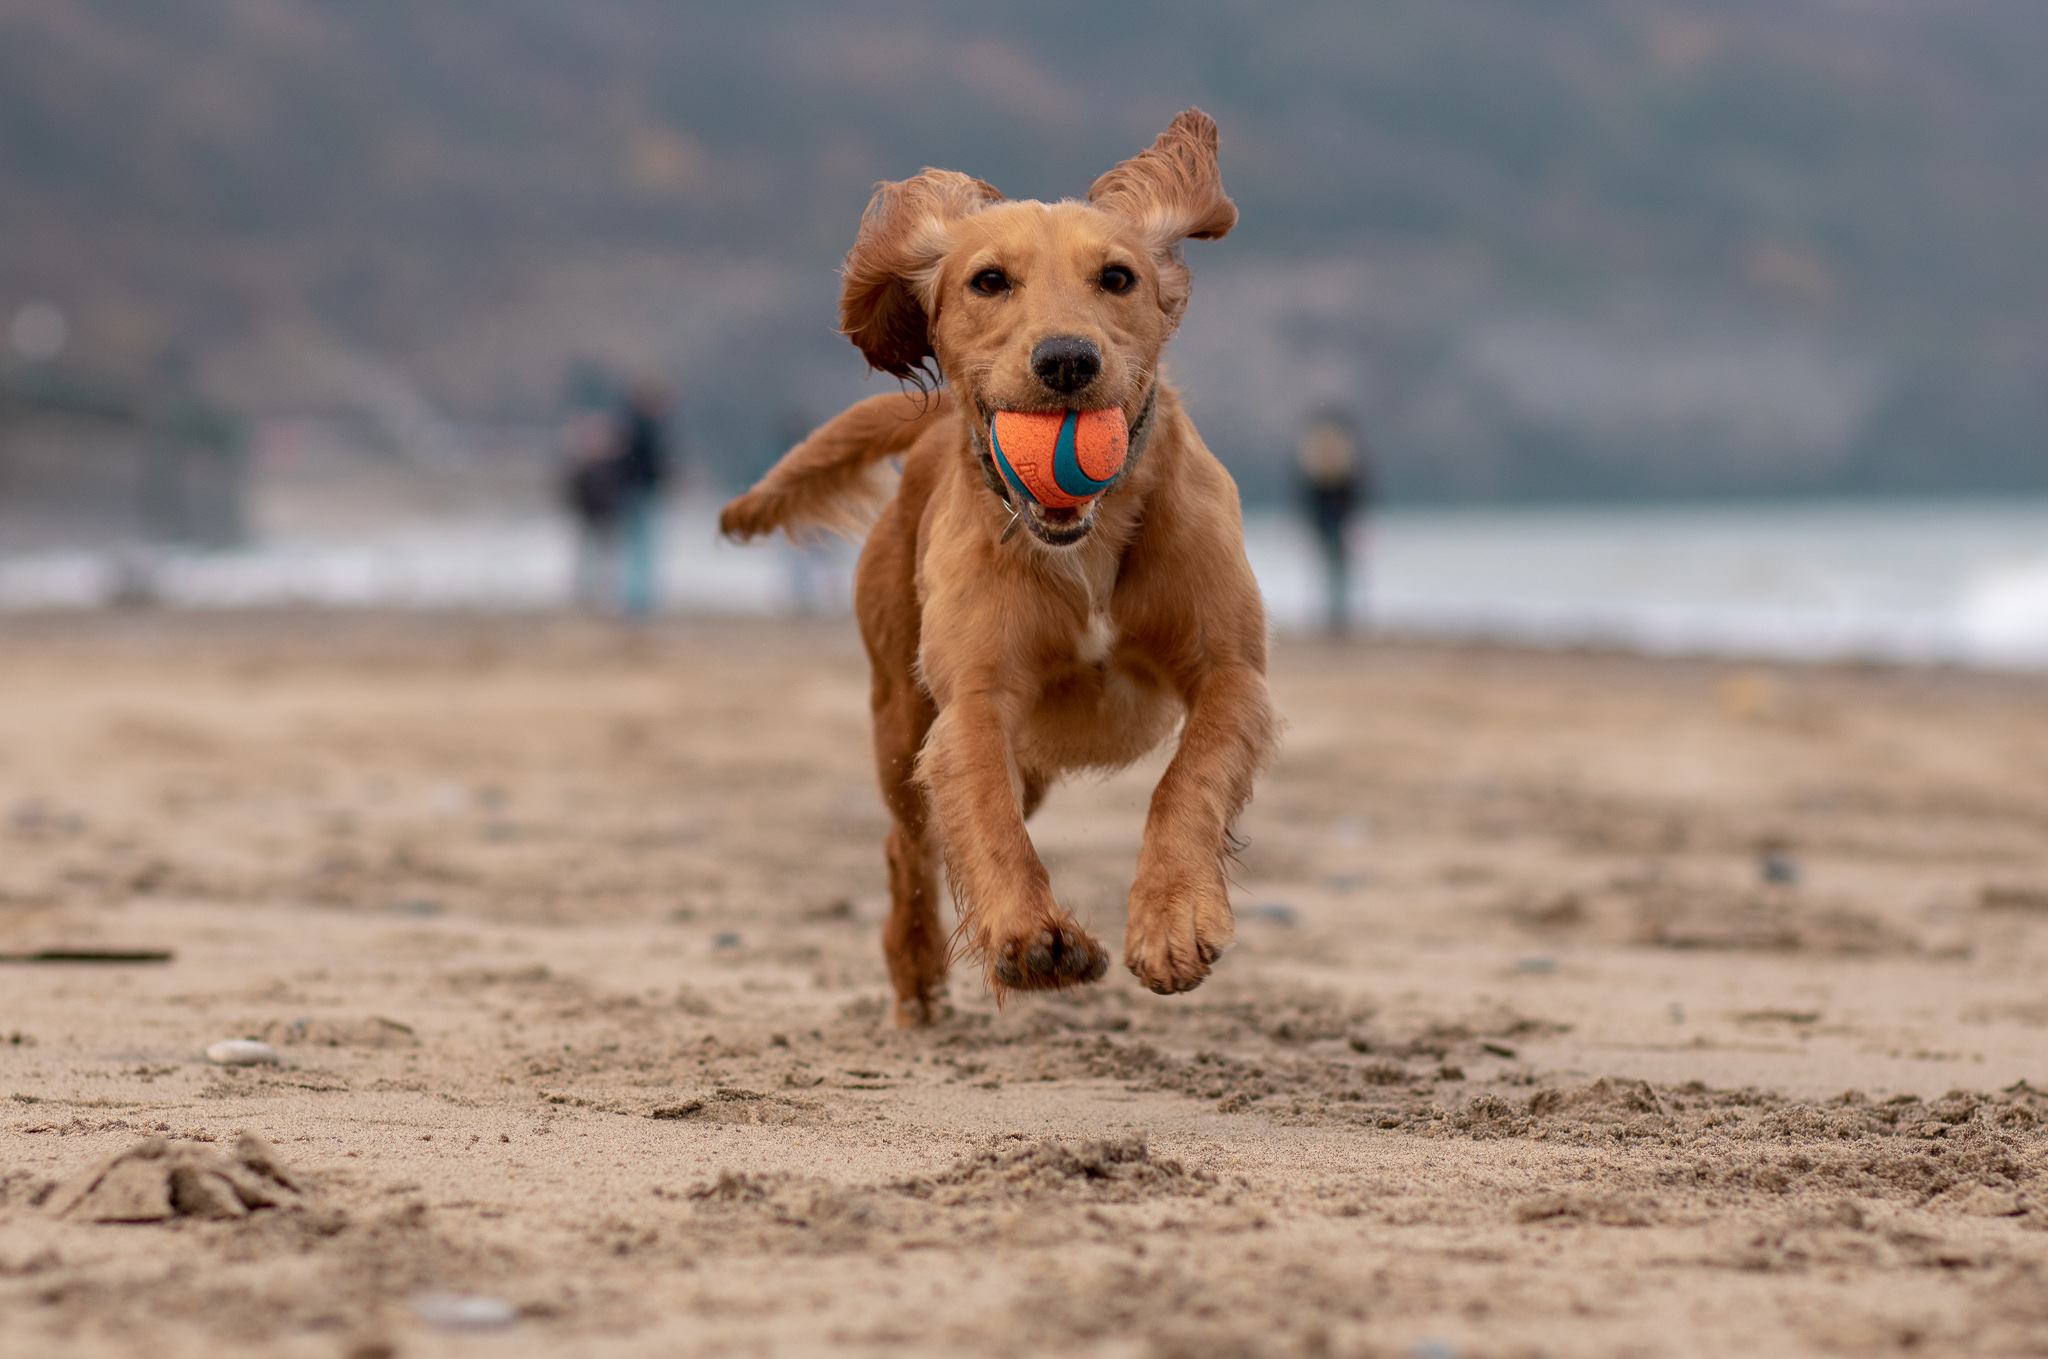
{"type": "Point", "coordinates": [589, 444]}
{"type": "Point", "coordinates": [646, 459]}
{"type": "Point", "coordinates": [1336, 484]}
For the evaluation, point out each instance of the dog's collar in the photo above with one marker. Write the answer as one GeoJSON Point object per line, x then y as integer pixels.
{"type": "Point", "coordinates": [1135, 441]}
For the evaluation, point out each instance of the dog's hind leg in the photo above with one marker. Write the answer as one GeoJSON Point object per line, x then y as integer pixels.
{"type": "Point", "coordinates": [1035, 786]}
{"type": "Point", "coordinates": [914, 943]}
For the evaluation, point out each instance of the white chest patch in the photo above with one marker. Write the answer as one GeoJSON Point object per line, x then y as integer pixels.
{"type": "Point", "coordinates": [1096, 639]}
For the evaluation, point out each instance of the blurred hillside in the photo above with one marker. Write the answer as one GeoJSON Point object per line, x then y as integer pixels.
{"type": "Point", "coordinates": [1547, 248]}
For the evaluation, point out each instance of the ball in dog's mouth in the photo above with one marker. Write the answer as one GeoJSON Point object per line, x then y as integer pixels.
{"type": "Point", "coordinates": [1059, 459]}
{"type": "Point", "coordinates": [1059, 463]}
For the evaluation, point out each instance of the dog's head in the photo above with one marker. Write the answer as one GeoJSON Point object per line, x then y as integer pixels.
{"type": "Point", "coordinates": [1035, 306]}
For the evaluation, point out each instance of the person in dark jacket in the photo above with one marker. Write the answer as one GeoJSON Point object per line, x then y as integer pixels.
{"type": "Point", "coordinates": [646, 461]}
{"type": "Point", "coordinates": [1336, 488]}
{"type": "Point", "coordinates": [588, 446]}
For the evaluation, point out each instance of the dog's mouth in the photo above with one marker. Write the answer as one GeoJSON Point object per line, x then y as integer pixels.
{"type": "Point", "coordinates": [1055, 525]}
{"type": "Point", "coordinates": [1060, 526]}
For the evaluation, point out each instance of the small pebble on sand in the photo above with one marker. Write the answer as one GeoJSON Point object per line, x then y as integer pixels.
{"type": "Point", "coordinates": [464, 1311]}
{"type": "Point", "coordinates": [241, 1052]}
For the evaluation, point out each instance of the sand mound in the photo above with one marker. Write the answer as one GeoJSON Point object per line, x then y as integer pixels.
{"type": "Point", "coordinates": [1016, 1191]}
{"type": "Point", "coordinates": [155, 1180]}
{"type": "Point", "coordinates": [373, 1032]}
{"type": "Point", "coordinates": [730, 1104]}
{"type": "Point", "coordinates": [1114, 1171]}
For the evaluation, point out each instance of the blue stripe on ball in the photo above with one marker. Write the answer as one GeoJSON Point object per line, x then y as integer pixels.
{"type": "Point", "coordinates": [1003, 466]}
{"type": "Point", "coordinates": [1066, 466]}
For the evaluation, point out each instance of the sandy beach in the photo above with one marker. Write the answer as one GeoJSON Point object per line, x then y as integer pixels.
{"type": "Point", "coordinates": [1582, 1004]}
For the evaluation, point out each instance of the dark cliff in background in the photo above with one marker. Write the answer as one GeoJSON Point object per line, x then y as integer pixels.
{"type": "Point", "coordinates": [1557, 248]}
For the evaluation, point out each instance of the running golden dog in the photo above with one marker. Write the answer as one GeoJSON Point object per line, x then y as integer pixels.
{"type": "Point", "coordinates": [1001, 659]}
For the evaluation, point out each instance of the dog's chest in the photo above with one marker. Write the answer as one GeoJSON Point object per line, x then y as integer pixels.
{"type": "Point", "coordinates": [1102, 710]}
{"type": "Point", "coordinates": [1096, 638]}
{"type": "Point", "coordinates": [1104, 706]}
{"type": "Point", "coordinates": [1093, 579]}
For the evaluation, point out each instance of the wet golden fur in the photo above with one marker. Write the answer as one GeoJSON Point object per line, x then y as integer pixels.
{"type": "Point", "coordinates": [1002, 659]}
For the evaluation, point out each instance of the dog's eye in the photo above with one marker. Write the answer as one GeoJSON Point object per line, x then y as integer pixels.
{"type": "Point", "coordinates": [990, 283]}
{"type": "Point", "coordinates": [1117, 279]}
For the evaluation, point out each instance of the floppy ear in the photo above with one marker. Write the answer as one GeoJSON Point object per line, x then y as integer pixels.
{"type": "Point", "coordinates": [1172, 191]}
{"type": "Point", "coordinates": [885, 296]}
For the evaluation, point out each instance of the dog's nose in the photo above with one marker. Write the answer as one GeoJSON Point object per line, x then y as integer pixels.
{"type": "Point", "coordinates": [1066, 363]}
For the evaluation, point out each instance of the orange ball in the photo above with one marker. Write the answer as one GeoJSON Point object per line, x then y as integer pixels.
{"type": "Point", "coordinates": [1060, 458]}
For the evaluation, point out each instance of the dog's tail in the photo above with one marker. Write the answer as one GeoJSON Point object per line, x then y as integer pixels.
{"type": "Point", "coordinates": [829, 481]}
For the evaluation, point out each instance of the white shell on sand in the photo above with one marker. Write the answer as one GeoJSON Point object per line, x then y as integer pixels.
{"type": "Point", "coordinates": [464, 1311]}
{"type": "Point", "coordinates": [241, 1052]}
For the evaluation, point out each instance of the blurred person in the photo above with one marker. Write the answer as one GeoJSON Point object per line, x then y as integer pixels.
{"type": "Point", "coordinates": [1336, 486]}
{"type": "Point", "coordinates": [646, 459]}
{"type": "Point", "coordinates": [590, 444]}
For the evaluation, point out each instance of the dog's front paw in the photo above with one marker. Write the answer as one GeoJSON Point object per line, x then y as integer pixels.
{"type": "Point", "coordinates": [1176, 931]}
{"type": "Point", "coordinates": [1047, 958]}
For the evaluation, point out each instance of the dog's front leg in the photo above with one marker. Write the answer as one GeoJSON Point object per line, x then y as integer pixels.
{"type": "Point", "coordinates": [1180, 917]}
{"type": "Point", "coordinates": [1007, 912]}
